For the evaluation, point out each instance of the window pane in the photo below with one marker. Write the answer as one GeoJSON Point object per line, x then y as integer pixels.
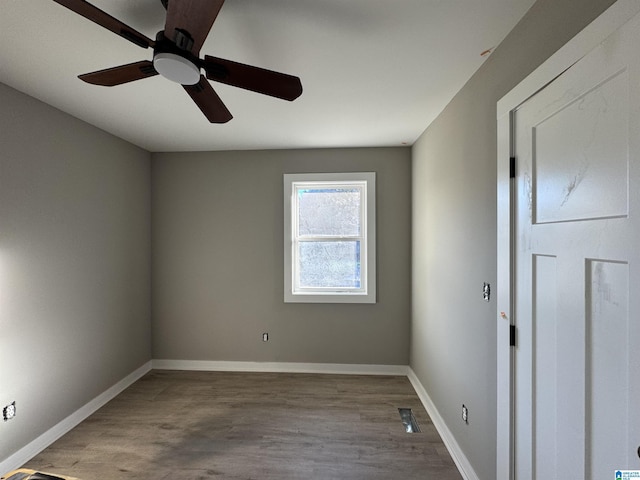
{"type": "Point", "coordinates": [329, 264]}
{"type": "Point", "coordinates": [329, 211]}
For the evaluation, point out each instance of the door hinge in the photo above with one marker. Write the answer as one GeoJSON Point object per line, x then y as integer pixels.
{"type": "Point", "coordinates": [512, 167]}
{"type": "Point", "coordinates": [512, 335]}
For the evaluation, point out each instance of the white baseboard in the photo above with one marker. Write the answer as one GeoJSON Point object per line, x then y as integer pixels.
{"type": "Point", "coordinates": [280, 367]}
{"type": "Point", "coordinates": [47, 438]}
{"type": "Point", "coordinates": [460, 459]}
{"type": "Point", "coordinates": [43, 441]}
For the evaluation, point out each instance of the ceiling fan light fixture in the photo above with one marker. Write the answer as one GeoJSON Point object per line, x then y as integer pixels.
{"type": "Point", "coordinates": [176, 56]}
{"type": "Point", "coordinates": [176, 68]}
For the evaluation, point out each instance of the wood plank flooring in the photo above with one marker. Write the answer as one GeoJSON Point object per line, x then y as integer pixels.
{"type": "Point", "coordinates": [212, 425]}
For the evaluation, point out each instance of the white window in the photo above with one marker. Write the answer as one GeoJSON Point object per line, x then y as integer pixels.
{"type": "Point", "coordinates": [329, 233]}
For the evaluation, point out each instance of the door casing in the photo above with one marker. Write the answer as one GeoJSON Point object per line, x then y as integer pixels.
{"type": "Point", "coordinates": [588, 39]}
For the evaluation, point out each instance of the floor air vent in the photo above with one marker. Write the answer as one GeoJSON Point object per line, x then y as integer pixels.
{"type": "Point", "coordinates": [409, 420]}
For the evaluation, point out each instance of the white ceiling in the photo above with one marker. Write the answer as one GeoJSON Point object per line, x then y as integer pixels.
{"type": "Point", "coordinates": [374, 72]}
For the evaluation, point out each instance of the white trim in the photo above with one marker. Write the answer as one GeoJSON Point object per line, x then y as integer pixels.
{"type": "Point", "coordinates": [459, 458]}
{"type": "Point", "coordinates": [504, 463]}
{"type": "Point", "coordinates": [280, 367]}
{"type": "Point", "coordinates": [587, 40]}
{"type": "Point", "coordinates": [54, 433]}
{"type": "Point", "coordinates": [43, 441]}
{"type": "Point", "coordinates": [368, 292]}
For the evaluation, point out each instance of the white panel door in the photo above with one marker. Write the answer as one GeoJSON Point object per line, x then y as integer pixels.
{"type": "Point", "coordinates": [577, 269]}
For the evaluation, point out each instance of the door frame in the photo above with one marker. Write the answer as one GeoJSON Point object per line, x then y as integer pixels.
{"type": "Point", "coordinates": [588, 39]}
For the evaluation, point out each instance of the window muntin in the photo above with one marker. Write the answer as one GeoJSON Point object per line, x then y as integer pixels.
{"type": "Point", "coordinates": [329, 234]}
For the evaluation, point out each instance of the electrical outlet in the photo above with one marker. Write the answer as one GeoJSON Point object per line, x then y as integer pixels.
{"type": "Point", "coordinates": [9, 411]}
{"type": "Point", "coordinates": [265, 337]}
{"type": "Point", "coordinates": [465, 414]}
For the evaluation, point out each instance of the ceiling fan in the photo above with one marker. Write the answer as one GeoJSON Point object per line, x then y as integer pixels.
{"type": "Point", "coordinates": [176, 51]}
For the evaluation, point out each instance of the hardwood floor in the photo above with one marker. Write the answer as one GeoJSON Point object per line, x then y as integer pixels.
{"type": "Point", "coordinates": [212, 425]}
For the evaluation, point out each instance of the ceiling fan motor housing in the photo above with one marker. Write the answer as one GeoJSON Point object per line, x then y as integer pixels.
{"type": "Point", "coordinates": [175, 63]}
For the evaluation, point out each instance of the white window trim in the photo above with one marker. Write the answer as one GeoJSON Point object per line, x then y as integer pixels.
{"type": "Point", "coordinates": [366, 294]}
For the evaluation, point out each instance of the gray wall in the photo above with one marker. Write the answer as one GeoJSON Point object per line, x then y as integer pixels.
{"type": "Point", "coordinates": [74, 264]}
{"type": "Point", "coordinates": [217, 262]}
{"type": "Point", "coordinates": [75, 242]}
{"type": "Point", "coordinates": [453, 348]}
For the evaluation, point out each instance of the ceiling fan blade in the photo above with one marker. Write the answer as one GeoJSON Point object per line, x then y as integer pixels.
{"type": "Point", "coordinates": [208, 101]}
{"type": "Point", "coordinates": [81, 7]}
{"type": "Point", "coordinates": [110, 77]}
{"type": "Point", "coordinates": [189, 22]}
{"type": "Point", "coordinates": [260, 80]}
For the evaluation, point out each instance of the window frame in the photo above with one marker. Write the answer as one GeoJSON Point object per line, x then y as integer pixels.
{"type": "Point", "coordinates": [367, 291]}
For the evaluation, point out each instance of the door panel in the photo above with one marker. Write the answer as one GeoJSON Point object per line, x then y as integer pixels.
{"type": "Point", "coordinates": [607, 368]}
{"type": "Point", "coordinates": [545, 379]}
{"type": "Point", "coordinates": [577, 269]}
{"type": "Point", "coordinates": [580, 155]}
